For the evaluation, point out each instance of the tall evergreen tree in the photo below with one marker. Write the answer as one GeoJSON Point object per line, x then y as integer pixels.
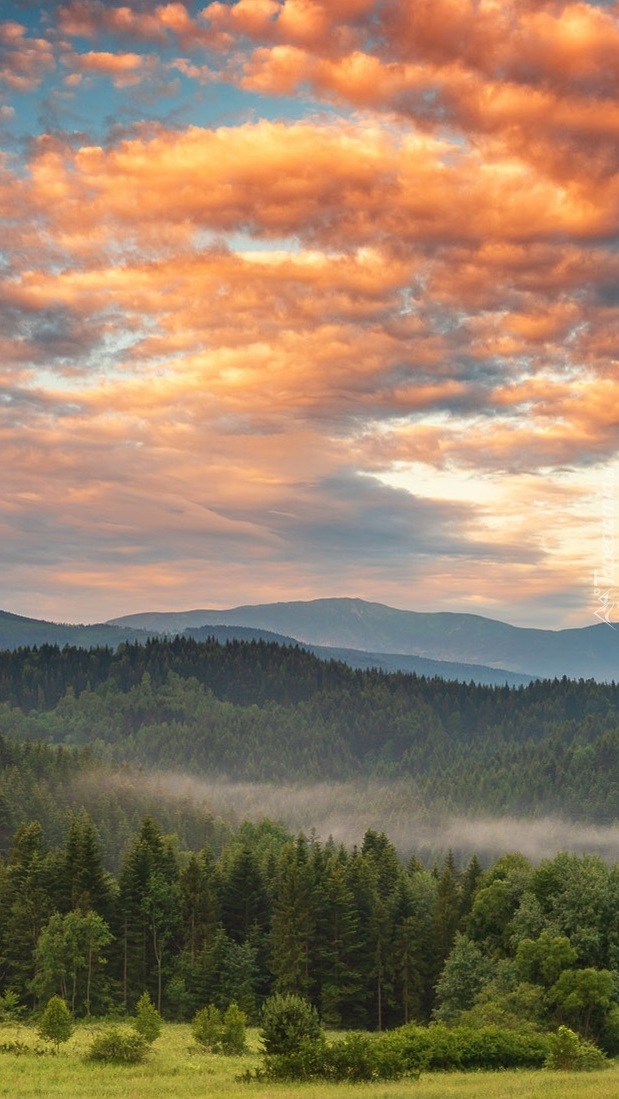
{"type": "Point", "coordinates": [293, 932]}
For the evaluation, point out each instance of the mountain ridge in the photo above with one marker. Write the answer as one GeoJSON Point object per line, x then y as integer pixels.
{"type": "Point", "coordinates": [32, 631]}
{"type": "Point", "coordinates": [344, 622]}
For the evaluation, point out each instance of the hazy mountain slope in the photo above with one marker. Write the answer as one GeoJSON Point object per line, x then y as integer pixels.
{"type": "Point", "coordinates": [588, 652]}
{"type": "Point", "coordinates": [18, 632]}
{"type": "Point", "coordinates": [357, 658]}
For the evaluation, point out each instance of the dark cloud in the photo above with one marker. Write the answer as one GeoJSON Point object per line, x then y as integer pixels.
{"type": "Point", "coordinates": [353, 519]}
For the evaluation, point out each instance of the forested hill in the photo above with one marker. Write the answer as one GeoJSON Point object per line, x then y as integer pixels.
{"type": "Point", "coordinates": [258, 711]}
{"type": "Point", "coordinates": [589, 651]}
{"type": "Point", "coordinates": [18, 632]}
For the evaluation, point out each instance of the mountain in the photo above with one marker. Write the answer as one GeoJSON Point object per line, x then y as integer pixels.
{"type": "Point", "coordinates": [357, 658]}
{"type": "Point", "coordinates": [19, 632]}
{"type": "Point", "coordinates": [590, 652]}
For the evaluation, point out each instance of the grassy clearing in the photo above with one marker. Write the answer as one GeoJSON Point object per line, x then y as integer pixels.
{"type": "Point", "coordinates": [175, 1070]}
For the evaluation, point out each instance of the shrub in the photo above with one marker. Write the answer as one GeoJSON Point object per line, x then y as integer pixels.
{"type": "Point", "coordinates": [498, 1047]}
{"type": "Point", "coordinates": [306, 1062]}
{"type": "Point", "coordinates": [442, 1047]}
{"type": "Point", "coordinates": [147, 1020]}
{"type": "Point", "coordinates": [288, 1022]}
{"type": "Point", "coordinates": [217, 1034]}
{"type": "Point", "coordinates": [121, 1047]}
{"type": "Point", "coordinates": [365, 1057]}
{"type": "Point", "coordinates": [56, 1024]}
{"type": "Point", "coordinates": [207, 1027]}
{"type": "Point", "coordinates": [574, 1054]}
{"type": "Point", "coordinates": [355, 1058]}
{"type": "Point", "coordinates": [233, 1032]}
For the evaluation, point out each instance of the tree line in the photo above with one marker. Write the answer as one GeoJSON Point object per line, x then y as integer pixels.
{"type": "Point", "coordinates": [264, 712]}
{"type": "Point", "coordinates": [372, 942]}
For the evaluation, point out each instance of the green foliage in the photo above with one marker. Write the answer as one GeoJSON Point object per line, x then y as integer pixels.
{"type": "Point", "coordinates": [233, 1034]}
{"type": "Point", "coordinates": [544, 960]}
{"type": "Point", "coordinates": [119, 1047]}
{"type": "Point", "coordinates": [408, 1051]}
{"type": "Point", "coordinates": [207, 1028]}
{"type": "Point", "coordinates": [465, 972]}
{"type": "Point", "coordinates": [444, 1048]}
{"type": "Point", "coordinates": [147, 1020]}
{"type": "Point", "coordinates": [356, 1058]}
{"type": "Point", "coordinates": [217, 1033]}
{"type": "Point", "coordinates": [257, 711]}
{"type": "Point", "coordinates": [56, 1024]}
{"type": "Point", "coordinates": [288, 1022]}
{"type": "Point", "coordinates": [69, 949]}
{"type": "Point", "coordinates": [10, 1007]}
{"type": "Point", "coordinates": [574, 1054]}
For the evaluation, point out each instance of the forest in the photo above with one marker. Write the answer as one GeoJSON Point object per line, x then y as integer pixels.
{"type": "Point", "coordinates": [371, 941]}
{"type": "Point", "coordinates": [109, 890]}
{"type": "Point", "coordinates": [262, 712]}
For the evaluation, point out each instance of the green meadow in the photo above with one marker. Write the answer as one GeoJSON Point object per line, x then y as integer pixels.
{"type": "Point", "coordinates": [177, 1070]}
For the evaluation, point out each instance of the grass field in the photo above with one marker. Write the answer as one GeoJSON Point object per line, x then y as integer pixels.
{"type": "Point", "coordinates": [175, 1071]}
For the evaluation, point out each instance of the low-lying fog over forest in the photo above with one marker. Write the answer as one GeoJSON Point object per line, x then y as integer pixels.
{"type": "Point", "coordinates": [204, 731]}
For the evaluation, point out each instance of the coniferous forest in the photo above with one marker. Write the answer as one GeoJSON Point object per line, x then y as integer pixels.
{"type": "Point", "coordinates": [98, 904]}
{"type": "Point", "coordinates": [269, 713]}
{"type": "Point", "coordinates": [372, 942]}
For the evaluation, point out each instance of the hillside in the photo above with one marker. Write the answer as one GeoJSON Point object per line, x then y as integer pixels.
{"type": "Point", "coordinates": [258, 712]}
{"type": "Point", "coordinates": [588, 652]}
{"type": "Point", "coordinates": [18, 632]}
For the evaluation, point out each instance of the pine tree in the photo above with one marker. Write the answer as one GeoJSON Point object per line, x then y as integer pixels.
{"type": "Point", "coordinates": [149, 907]}
{"type": "Point", "coordinates": [293, 929]}
{"type": "Point", "coordinates": [25, 905]}
{"type": "Point", "coordinates": [337, 944]}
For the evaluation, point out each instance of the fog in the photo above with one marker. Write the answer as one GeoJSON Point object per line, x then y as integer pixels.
{"type": "Point", "coordinates": [346, 810]}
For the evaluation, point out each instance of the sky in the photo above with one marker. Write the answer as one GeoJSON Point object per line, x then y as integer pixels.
{"type": "Point", "coordinates": [309, 298]}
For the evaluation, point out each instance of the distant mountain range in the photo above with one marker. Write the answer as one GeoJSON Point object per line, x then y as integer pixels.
{"type": "Point", "coordinates": [454, 646]}
{"type": "Point", "coordinates": [591, 652]}
{"type": "Point", "coordinates": [19, 632]}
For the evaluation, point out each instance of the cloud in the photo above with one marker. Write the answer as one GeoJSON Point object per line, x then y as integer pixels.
{"type": "Point", "coordinates": [24, 61]}
{"type": "Point", "coordinates": [92, 18]}
{"type": "Point", "coordinates": [125, 69]}
{"type": "Point", "coordinates": [212, 334]}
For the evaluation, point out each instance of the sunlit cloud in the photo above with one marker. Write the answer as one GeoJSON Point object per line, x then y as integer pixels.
{"type": "Point", "coordinates": [357, 323]}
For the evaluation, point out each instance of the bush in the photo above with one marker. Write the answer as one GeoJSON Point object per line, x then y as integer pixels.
{"type": "Point", "coordinates": [233, 1034]}
{"type": "Point", "coordinates": [365, 1057]}
{"type": "Point", "coordinates": [306, 1062]}
{"type": "Point", "coordinates": [356, 1058]}
{"type": "Point", "coordinates": [120, 1047]}
{"type": "Point", "coordinates": [207, 1028]}
{"type": "Point", "coordinates": [217, 1034]}
{"type": "Point", "coordinates": [574, 1054]}
{"type": "Point", "coordinates": [56, 1024]}
{"type": "Point", "coordinates": [147, 1020]}
{"type": "Point", "coordinates": [442, 1047]}
{"type": "Point", "coordinates": [288, 1022]}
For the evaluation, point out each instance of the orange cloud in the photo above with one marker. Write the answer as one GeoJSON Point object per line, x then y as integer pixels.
{"type": "Point", "coordinates": [126, 69]}
{"type": "Point", "coordinates": [24, 61]}
{"type": "Point", "coordinates": [94, 18]}
{"type": "Point", "coordinates": [342, 185]}
{"type": "Point", "coordinates": [205, 332]}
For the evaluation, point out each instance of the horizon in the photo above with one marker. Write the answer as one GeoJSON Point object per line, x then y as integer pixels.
{"type": "Point", "coordinates": [334, 598]}
{"type": "Point", "coordinates": [310, 295]}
